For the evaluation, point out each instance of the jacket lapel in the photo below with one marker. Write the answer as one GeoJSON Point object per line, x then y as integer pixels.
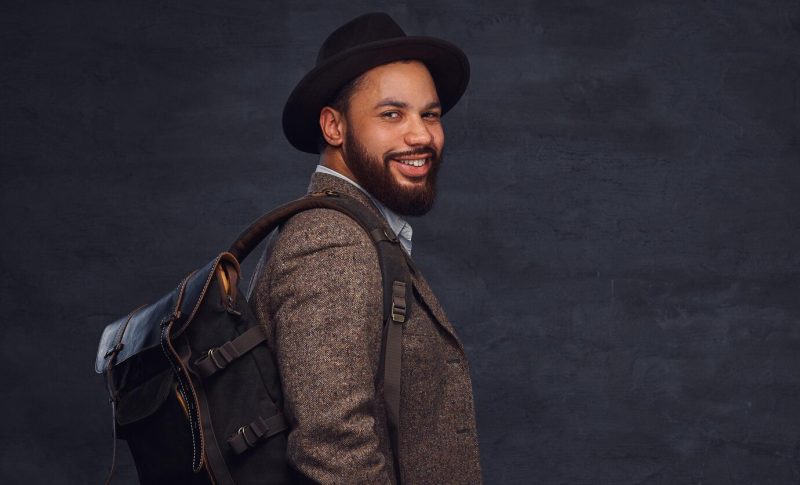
{"type": "Point", "coordinates": [322, 181]}
{"type": "Point", "coordinates": [429, 300]}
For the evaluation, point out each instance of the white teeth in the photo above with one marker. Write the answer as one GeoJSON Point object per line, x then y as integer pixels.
{"type": "Point", "coordinates": [414, 163]}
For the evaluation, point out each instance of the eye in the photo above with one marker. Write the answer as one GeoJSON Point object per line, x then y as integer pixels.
{"type": "Point", "coordinates": [390, 114]}
{"type": "Point", "coordinates": [431, 115]}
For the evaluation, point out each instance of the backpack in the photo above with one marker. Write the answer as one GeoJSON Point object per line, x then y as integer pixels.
{"type": "Point", "coordinates": [194, 389]}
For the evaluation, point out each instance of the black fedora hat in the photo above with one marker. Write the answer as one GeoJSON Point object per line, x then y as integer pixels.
{"type": "Point", "coordinates": [363, 43]}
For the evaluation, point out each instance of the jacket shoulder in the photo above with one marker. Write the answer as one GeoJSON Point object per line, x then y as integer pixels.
{"type": "Point", "coordinates": [314, 247]}
{"type": "Point", "coordinates": [323, 245]}
{"type": "Point", "coordinates": [319, 229]}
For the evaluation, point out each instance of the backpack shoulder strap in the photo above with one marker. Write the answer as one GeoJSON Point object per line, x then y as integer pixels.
{"type": "Point", "coordinates": [396, 276]}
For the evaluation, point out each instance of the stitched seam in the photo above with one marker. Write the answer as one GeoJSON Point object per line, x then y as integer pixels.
{"type": "Point", "coordinates": [205, 288]}
{"type": "Point", "coordinates": [193, 405]}
{"type": "Point", "coordinates": [121, 331]}
{"type": "Point", "coordinates": [194, 416]}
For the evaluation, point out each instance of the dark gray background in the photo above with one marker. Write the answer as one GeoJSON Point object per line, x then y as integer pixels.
{"type": "Point", "coordinates": [616, 236]}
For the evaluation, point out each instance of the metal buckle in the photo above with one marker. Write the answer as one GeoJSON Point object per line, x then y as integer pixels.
{"type": "Point", "coordinates": [230, 308]}
{"type": "Point", "coordinates": [243, 432]}
{"type": "Point", "coordinates": [391, 237]}
{"type": "Point", "coordinates": [328, 192]}
{"type": "Point", "coordinates": [114, 350]}
{"type": "Point", "coordinates": [397, 316]}
{"type": "Point", "coordinates": [214, 359]}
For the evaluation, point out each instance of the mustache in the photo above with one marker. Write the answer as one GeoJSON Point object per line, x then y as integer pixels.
{"type": "Point", "coordinates": [426, 150]}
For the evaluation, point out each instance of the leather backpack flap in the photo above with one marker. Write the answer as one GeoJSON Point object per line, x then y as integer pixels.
{"type": "Point", "coordinates": [141, 330]}
{"type": "Point", "coordinates": [138, 331]}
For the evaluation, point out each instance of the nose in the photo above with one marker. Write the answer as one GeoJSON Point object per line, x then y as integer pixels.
{"type": "Point", "coordinates": [418, 133]}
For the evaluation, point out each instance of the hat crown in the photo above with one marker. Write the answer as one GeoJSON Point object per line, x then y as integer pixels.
{"type": "Point", "coordinates": [371, 27]}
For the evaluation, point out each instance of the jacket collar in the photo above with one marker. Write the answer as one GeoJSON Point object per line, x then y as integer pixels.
{"type": "Point", "coordinates": [399, 226]}
{"type": "Point", "coordinates": [323, 181]}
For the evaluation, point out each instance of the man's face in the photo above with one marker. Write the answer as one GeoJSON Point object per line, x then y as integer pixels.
{"type": "Point", "coordinates": [393, 136]}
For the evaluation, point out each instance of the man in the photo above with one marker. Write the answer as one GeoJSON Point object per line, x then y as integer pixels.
{"type": "Point", "coordinates": [372, 109]}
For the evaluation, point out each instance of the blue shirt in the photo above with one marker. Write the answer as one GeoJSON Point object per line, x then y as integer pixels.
{"type": "Point", "coordinates": [400, 226]}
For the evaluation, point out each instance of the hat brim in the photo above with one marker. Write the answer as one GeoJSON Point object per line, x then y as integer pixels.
{"type": "Point", "coordinates": [447, 64]}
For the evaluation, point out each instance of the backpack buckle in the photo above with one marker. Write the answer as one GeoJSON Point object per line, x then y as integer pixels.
{"type": "Point", "coordinates": [398, 313]}
{"type": "Point", "coordinates": [243, 433]}
{"type": "Point", "coordinates": [115, 350]}
{"type": "Point", "coordinates": [390, 236]}
{"type": "Point", "coordinates": [326, 192]}
{"type": "Point", "coordinates": [212, 355]}
{"type": "Point", "coordinates": [399, 301]}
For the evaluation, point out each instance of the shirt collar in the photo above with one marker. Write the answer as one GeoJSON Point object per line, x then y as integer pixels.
{"type": "Point", "coordinates": [400, 226]}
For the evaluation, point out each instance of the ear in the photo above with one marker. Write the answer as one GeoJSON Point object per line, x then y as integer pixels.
{"type": "Point", "coordinates": [331, 123]}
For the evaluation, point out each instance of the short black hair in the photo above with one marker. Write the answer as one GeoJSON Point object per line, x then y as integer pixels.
{"type": "Point", "coordinates": [341, 102]}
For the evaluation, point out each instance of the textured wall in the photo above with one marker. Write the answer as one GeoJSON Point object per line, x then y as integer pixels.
{"type": "Point", "coordinates": [617, 236]}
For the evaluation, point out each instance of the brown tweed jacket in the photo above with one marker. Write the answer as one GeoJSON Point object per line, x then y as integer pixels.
{"type": "Point", "coordinates": [319, 292]}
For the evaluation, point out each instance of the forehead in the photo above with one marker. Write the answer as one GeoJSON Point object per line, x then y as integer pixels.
{"type": "Point", "coordinates": [408, 81]}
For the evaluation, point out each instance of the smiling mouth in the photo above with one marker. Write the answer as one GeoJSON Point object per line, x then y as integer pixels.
{"type": "Point", "coordinates": [418, 162]}
{"type": "Point", "coordinates": [415, 169]}
{"type": "Point", "coordinates": [414, 164]}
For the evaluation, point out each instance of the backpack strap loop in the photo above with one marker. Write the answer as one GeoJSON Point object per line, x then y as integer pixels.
{"type": "Point", "coordinates": [398, 301]}
{"type": "Point", "coordinates": [250, 434]}
{"type": "Point", "coordinates": [380, 234]}
{"type": "Point", "coordinates": [219, 358]}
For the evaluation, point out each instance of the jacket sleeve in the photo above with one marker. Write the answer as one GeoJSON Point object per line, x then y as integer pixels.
{"type": "Point", "coordinates": [322, 286]}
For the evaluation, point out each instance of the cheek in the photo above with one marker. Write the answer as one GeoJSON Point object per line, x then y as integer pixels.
{"type": "Point", "coordinates": [378, 137]}
{"type": "Point", "coordinates": [437, 133]}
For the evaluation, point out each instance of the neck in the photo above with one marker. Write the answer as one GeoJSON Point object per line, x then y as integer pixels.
{"type": "Point", "coordinates": [332, 158]}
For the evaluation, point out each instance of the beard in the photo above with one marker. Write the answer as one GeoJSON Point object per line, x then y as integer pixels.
{"type": "Point", "coordinates": [374, 175]}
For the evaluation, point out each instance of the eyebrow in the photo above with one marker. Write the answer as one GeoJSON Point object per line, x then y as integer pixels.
{"type": "Point", "coordinates": [403, 105]}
